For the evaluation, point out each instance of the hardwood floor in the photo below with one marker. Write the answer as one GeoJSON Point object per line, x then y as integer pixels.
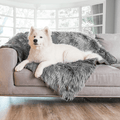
{"type": "Point", "coordinates": [33, 108]}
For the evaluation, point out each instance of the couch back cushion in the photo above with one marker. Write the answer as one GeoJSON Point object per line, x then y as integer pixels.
{"type": "Point", "coordinates": [111, 42]}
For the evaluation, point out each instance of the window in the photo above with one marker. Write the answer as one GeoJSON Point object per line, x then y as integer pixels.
{"type": "Point", "coordinates": [6, 23]}
{"type": "Point", "coordinates": [88, 19]}
{"type": "Point", "coordinates": [68, 19]}
{"type": "Point", "coordinates": [46, 18]}
{"type": "Point", "coordinates": [92, 19]}
{"type": "Point", "coordinates": [24, 19]}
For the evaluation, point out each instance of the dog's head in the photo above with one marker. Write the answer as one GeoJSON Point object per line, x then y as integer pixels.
{"type": "Point", "coordinates": [39, 38]}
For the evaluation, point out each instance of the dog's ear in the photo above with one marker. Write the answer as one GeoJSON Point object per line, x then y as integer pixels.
{"type": "Point", "coordinates": [31, 30]}
{"type": "Point", "coordinates": [47, 31]}
{"type": "Point", "coordinates": [48, 34]}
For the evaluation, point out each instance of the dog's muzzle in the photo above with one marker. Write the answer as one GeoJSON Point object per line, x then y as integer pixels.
{"type": "Point", "coordinates": [35, 41]}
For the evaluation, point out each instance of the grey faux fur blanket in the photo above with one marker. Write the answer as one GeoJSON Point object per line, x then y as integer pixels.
{"type": "Point", "coordinates": [66, 79]}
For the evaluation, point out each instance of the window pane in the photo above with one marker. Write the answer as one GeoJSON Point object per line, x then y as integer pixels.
{"type": "Point", "coordinates": [43, 23]}
{"type": "Point", "coordinates": [24, 13]}
{"type": "Point", "coordinates": [52, 29]}
{"type": "Point", "coordinates": [6, 21]}
{"type": "Point", "coordinates": [24, 23]}
{"type": "Point", "coordinates": [46, 13]}
{"type": "Point", "coordinates": [6, 10]}
{"type": "Point", "coordinates": [93, 20]}
{"type": "Point", "coordinates": [4, 31]}
{"type": "Point", "coordinates": [22, 30]}
{"type": "Point", "coordinates": [64, 23]}
{"type": "Point", "coordinates": [70, 12]}
{"type": "Point", "coordinates": [74, 30]}
{"type": "Point", "coordinates": [3, 41]}
{"type": "Point", "coordinates": [90, 10]}
{"type": "Point", "coordinates": [92, 30]}
{"type": "Point", "coordinates": [97, 30]}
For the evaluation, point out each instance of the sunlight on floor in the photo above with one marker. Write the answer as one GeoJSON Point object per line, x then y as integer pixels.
{"type": "Point", "coordinates": [7, 102]}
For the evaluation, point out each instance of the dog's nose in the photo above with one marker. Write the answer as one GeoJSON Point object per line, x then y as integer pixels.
{"type": "Point", "coordinates": [35, 40]}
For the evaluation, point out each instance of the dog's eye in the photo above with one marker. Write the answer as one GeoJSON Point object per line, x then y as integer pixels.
{"type": "Point", "coordinates": [41, 37]}
{"type": "Point", "coordinates": [34, 36]}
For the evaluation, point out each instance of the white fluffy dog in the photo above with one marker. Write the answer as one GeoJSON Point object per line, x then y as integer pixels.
{"type": "Point", "coordinates": [45, 52]}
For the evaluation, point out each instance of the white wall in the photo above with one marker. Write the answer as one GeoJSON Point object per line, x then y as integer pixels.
{"type": "Point", "coordinates": [110, 16]}
{"type": "Point", "coordinates": [117, 16]}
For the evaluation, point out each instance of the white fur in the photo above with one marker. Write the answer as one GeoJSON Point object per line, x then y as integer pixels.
{"type": "Point", "coordinates": [47, 53]}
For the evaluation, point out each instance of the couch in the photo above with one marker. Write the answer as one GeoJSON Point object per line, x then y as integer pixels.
{"type": "Point", "coordinates": [104, 82]}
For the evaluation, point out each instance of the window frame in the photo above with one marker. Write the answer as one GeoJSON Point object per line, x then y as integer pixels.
{"type": "Point", "coordinates": [7, 26]}
{"type": "Point", "coordinates": [15, 17]}
{"type": "Point", "coordinates": [95, 15]}
{"type": "Point", "coordinates": [57, 17]}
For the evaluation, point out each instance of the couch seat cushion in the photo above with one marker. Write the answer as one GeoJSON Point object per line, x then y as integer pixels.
{"type": "Point", "coordinates": [26, 78]}
{"type": "Point", "coordinates": [104, 75]}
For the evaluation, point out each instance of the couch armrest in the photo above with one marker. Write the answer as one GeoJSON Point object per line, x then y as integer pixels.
{"type": "Point", "coordinates": [116, 65]}
{"type": "Point", "coordinates": [8, 60]}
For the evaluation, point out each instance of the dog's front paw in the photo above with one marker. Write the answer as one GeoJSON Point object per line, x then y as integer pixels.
{"type": "Point", "coordinates": [19, 67]}
{"type": "Point", "coordinates": [38, 74]}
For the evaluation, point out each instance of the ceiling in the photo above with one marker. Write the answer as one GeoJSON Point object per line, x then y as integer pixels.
{"type": "Point", "coordinates": [47, 1]}
{"type": "Point", "coordinates": [48, 4]}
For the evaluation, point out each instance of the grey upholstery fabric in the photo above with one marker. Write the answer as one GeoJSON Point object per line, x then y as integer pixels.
{"type": "Point", "coordinates": [8, 60]}
{"type": "Point", "coordinates": [111, 42]}
{"type": "Point", "coordinates": [100, 92]}
{"type": "Point", "coordinates": [116, 65]}
{"type": "Point", "coordinates": [69, 77]}
{"type": "Point", "coordinates": [103, 76]}
{"type": "Point", "coordinates": [19, 43]}
{"type": "Point", "coordinates": [27, 79]}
